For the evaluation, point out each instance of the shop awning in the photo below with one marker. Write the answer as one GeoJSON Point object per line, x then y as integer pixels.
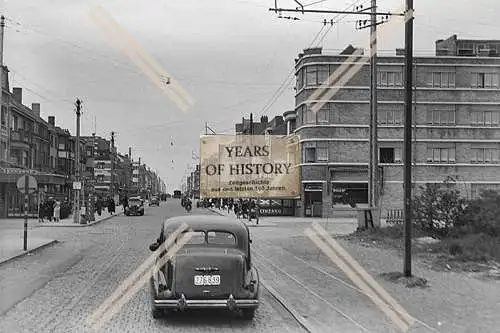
{"type": "Point", "coordinates": [11, 175]}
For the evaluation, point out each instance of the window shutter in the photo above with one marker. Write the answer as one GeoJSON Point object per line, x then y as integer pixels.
{"type": "Point", "coordinates": [397, 155]}
{"type": "Point", "coordinates": [429, 116]}
{"type": "Point", "coordinates": [494, 79]}
{"type": "Point", "coordinates": [429, 154]}
{"type": "Point", "coordinates": [452, 80]}
{"type": "Point", "coordinates": [451, 155]}
{"type": "Point", "coordinates": [428, 79]}
{"type": "Point", "coordinates": [398, 117]}
{"type": "Point", "coordinates": [473, 82]}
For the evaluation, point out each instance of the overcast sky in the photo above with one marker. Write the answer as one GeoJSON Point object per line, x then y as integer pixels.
{"type": "Point", "coordinates": [231, 56]}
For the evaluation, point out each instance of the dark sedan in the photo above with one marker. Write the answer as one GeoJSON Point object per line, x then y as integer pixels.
{"type": "Point", "coordinates": [212, 270]}
{"type": "Point", "coordinates": [135, 207]}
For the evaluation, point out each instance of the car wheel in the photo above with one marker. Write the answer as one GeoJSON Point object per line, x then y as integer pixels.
{"type": "Point", "coordinates": [248, 314]}
{"type": "Point", "coordinates": [157, 313]}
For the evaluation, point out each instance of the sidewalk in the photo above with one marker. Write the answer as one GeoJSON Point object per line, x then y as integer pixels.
{"type": "Point", "coordinates": [344, 225]}
{"type": "Point", "coordinates": [12, 235]}
{"type": "Point", "coordinates": [68, 222]}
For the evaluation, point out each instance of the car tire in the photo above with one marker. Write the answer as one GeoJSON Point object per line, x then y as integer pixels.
{"type": "Point", "coordinates": [157, 313]}
{"type": "Point", "coordinates": [248, 314]}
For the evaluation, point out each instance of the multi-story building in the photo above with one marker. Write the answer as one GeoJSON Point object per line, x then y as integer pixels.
{"type": "Point", "coordinates": [456, 126]}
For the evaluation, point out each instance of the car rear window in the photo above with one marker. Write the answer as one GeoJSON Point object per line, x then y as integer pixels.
{"type": "Point", "coordinates": [197, 237]}
{"type": "Point", "coordinates": [221, 238]}
{"type": "Point", "coordinates": [134, 202]}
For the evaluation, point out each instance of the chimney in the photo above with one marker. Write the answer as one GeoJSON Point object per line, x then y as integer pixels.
{"type": "Point", "coordinates": [36, 109]}
{"type": "Point", "coordinates": [52, 120]}
{"type": "Point", "coordinates": [130, 152]}
{"type": "Point", "coordinates": [18, 94]}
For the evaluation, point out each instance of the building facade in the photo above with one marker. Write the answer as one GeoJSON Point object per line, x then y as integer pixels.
{"type": "Point", "coordinates": [456, 129]}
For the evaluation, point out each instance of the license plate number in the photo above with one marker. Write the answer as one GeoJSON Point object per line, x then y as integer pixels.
{"type": "Point", "coordinates": [207, 280]}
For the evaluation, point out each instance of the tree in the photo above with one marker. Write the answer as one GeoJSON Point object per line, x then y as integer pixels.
{"type": "Point", "coordinates": [436, 209]}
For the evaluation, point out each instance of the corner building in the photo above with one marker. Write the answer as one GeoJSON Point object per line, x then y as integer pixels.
{"type": "Point", "coordinates": [456, 130]}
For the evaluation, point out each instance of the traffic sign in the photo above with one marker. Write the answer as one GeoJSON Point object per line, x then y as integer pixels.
{"type": "Point", "coordinates": [77, 185]}
{"type": "Point", "coordinates": [32, 184]}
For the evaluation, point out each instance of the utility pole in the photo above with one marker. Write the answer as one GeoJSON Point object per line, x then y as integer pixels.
{"type": "Point", "coordinates": [2, 29]}
{"type": "Point", "coordinates": [373, 112]}
{"type": "Point", "coordinates": [112, 157]}
{"type": "Point", "coordinates": [408, 133]}
{"type": "Point", "coordinates": [76, 214]}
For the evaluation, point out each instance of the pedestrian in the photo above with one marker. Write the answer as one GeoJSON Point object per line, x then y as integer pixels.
{"type": "Point", "coordinates": [125, 202]}
{"type": "Point", "coordinates": [111, 206]}
{"type": "Point", "coordinates": [98, 206]}
{"type": "Point", "coordinates": [57, 211]}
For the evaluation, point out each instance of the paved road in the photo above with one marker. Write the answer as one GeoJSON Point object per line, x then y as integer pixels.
{"type": "Point", "coordinates": [57, 288]}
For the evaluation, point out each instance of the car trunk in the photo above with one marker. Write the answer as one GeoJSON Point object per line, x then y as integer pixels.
{"type": "Point", "coordinates": [228, 264]}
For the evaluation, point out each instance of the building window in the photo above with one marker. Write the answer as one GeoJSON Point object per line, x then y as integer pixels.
{"type": "Point", "coordinates": [300, 79]}
{"type": "Point", "coordinates": [484, 80]}
{"type": "Point", "coordinates": [441, 79]}
{"type": "Point", "coordinates": [485, 118]}
{"type": "Point", "coordinates": [485, 155]}
{"type": "Point", "coordinates": [441, 117]}
{"type": "Point", "coordinates": [441, 155]}
{"type": "Point", "coordinates": [309, 115]}
{"type": "Point", "coordinates": [311, 75]}
{"type": "Point", "coordinates": [322, 152]}
{"type": "Point", "coordinates": [323, 74]}
{"type": "Point", "coordinates": [323, 114]}
{"type": "Point", "coordinates": [389, 155]}
{"type": "Point", "coordinates": [476, 189]}
{"type": "Point", "coordinates": [309, 155]}
{"type": "Point", "coordinates": [390, 117]}
{"type": "Point", "coordinates": [389, 78]}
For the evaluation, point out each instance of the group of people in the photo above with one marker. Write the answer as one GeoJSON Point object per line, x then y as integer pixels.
{"type": "Point", "coordinates": [50, 209]}
{"type": "Point", "coordinates": [243, 208]}
{"type": "Point", "coordinates": [101, 204]}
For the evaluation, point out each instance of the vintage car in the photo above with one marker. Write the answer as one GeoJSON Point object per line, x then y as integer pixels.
{"type": "Point", "coordinates": [154, 201]}
{"type": "Point", "coordinates": [135, 207]}
{"type": "Point", "coordinates": [213, 269]}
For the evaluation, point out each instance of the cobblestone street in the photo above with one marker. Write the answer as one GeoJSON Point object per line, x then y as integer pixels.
{"type": "Point", "coordinates": [57, 288]}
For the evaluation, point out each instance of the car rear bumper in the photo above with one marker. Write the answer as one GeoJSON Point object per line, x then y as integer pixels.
{"type": "Point", "coordinates": [183, 303]}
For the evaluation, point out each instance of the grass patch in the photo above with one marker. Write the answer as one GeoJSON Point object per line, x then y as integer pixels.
{"type": "Point", "coordinates": [476, 247]}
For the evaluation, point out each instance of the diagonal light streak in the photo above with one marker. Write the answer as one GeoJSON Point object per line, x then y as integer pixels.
{"type": "Point", "coordinates": [148, 65]}
{"type": "Point", "coordinates": [348, 69]}
{"type": "Point", "coordinates": [141, 271]}
{"type": "Point", "coordinates": [135, 288]}
{"type": "Point", "coordinates": [390, 313]}
{"type": "Point", "coordinates": [363, 273]}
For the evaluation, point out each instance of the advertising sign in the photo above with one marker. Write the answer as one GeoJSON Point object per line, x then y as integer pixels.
{"type": "Point", "coordinates": [249, 166]}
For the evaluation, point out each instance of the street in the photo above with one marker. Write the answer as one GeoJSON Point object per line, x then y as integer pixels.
{"type": "Point", "coordinates": [55, 289]}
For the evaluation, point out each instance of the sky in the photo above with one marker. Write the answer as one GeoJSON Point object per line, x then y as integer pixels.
{"type": "Point", "coordinates": [231, 56]}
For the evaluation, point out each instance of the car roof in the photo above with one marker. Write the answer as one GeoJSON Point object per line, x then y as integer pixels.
{"type": "Point", "coordinates": [207, 222]}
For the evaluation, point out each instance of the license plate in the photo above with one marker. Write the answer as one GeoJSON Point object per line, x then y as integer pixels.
{"type": "Point", "coordinates": [207, 280]}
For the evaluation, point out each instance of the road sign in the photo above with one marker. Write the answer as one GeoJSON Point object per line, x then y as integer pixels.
{"type": "Point", "coordinates": [32, 184]}
{"type": "Point", "coordinates": [77, 185]}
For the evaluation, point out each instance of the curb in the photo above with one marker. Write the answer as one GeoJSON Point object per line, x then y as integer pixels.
{"type": "Point", "coordinates": [298, 317]}
{"type": "Point", "coordinates": [55, 225]}
{"type": "Point", "coordinates": [40, 247]}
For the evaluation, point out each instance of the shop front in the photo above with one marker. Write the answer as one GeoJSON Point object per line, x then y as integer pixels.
{"type": "Point", "coordinates": [277, 207]}
{"type": "Point", "coordinates": [313, 199]}
{"type": "Point", "coordinates": [12, 201]}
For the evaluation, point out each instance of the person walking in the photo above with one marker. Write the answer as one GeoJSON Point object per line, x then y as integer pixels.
{"type": "Point", "coordinates": [57, 211]}
{"type": "Point", "coordinates": [98, 205]}
{"type": "Point", "coordinates": [111, 206]}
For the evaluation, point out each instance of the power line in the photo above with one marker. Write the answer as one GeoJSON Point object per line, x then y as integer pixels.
{"type": "Point", "coordinates": [288, 80]}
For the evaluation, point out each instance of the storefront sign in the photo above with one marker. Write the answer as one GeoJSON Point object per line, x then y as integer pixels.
{"type": "Point", "coordinates": [249, 166]}
{"type": "Point", "coordinates": [271, 211]}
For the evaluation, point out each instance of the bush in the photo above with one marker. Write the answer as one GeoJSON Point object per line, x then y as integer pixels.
{"type": "Point", "coordinates": [437, 209]}
{"type": "Point", "coordinates": [481, 216]}
{"type": "Point", "coordinates": [476, 247]}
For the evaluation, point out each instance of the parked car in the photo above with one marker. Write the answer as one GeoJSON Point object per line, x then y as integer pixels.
{"type": "Point", "coordinates": [135, 207]}
{"type": "Point", "coordinates": [213, 270]}
{"type": "Point", "coordinates": [154, 201]}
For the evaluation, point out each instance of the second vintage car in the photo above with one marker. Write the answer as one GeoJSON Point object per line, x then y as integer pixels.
{"type": "Point", "coordinates": [135, 206]}
{"type": "Point", "coordinates": [213, 269]}
{"type": "Point", "coordinates": [155, 201]}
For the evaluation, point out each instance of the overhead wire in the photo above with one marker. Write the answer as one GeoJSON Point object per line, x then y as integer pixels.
{"type": "Point", "coordinates": [289, 79]}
